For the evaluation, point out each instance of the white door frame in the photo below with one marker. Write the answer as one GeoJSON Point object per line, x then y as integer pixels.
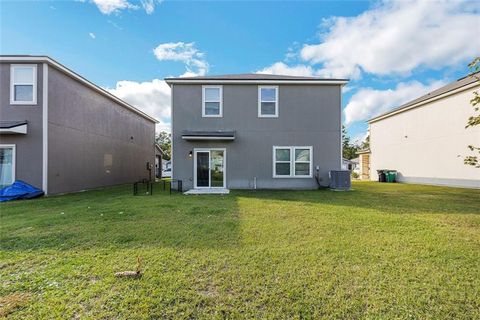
{"type": "Point", "coordinates": [14, 158]}
{"type": "Point", "coordinates": [209, 150]}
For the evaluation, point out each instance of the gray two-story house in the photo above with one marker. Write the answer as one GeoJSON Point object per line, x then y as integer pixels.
{"type": "Point", "coordinates": [251, 131]}
{"type": "Point", "coordinates": [61, 133]}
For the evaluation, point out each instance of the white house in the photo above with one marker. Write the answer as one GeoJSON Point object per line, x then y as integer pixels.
{"type": "Point", "coordinates": [425, 140]}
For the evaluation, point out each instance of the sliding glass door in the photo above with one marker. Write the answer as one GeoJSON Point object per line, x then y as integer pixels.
{"type": "Point", "coordinates": [7, 165]}
{"type": "Point", "coordinates": [203, 169]}
{"type": "Point", "coordinates": [209, 168]}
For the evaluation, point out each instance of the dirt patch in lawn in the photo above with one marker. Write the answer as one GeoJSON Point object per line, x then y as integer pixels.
{"type": "Point", "coordinates": [11, 302]}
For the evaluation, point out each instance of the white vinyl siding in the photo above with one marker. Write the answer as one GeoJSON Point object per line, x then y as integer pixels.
{"type": "Point", "coordinates": [268, 101]}
{"type": "Point", "coordinates": [212, 105]}
{"type": "Point", "coordinates": [292, 162]}
{"type": "Point", "coordinates": [23, 84]}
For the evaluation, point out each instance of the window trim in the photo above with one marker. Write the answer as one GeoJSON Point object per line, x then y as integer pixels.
{"type": "Point", "coordinates": [292, 162]}
{"type": "Point", "coordinates": [34, 84]}
{"type": "Point", "coordinates": [220, 114]}
{"type": "Point", "coordinates": [14, 158]}
{"type": "Point", "coordinates": [260, 115]}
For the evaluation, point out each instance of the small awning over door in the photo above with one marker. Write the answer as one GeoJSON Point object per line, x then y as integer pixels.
{"type": "Point", "coordinates": [13, 127]}
{"type": "Point", "coordinates": [208, 135]}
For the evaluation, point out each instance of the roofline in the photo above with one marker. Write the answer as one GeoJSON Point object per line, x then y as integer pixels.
{"type": "Point", "coordinates": [76, 76]}
{"type": "Point", "coordinates": [341, 82]}
{"type": "Point", "coordinates": [363, 151]}
{"type": "Point", "coordinates": [421, 103]}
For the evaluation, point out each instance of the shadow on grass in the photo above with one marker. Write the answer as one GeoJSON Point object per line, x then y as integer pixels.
{"type": "Point", "coordinates": [115, 218]}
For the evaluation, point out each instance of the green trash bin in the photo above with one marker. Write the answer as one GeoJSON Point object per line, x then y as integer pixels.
{"type": "Point", "coordinates": [391, 176]}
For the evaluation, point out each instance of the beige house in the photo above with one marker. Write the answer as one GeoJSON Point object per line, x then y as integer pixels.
{"type": "Point", "coordinates": [425, 140]}
{"type": "Point", "coordinates": [364, 164]}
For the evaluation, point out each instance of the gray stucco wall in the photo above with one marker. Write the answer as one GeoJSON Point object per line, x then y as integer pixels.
{"type": "Point", "coordinates": [309, 115]}
{"type": "Point", "coordinates": [28, 147]}
{"type": "Point", "coordinates": [93, 141]}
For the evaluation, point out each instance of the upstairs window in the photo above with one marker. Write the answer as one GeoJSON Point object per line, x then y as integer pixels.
{"type": "Point", "coordinates": [23, 84]}
{"type": "Point", "coordinates": [268, 102]}
{"type": "Point", "coordinates": [292, 162]}
{"type": "Point", "coordinates": [212, 101]}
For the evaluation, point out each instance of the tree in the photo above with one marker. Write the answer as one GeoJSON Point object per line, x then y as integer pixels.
{"type": "Point", "coordinates": [474, 160]}
{"type": "Point", "coordinates": [349, 149]}
{"type": "Point", "coordinates": [164, 140]}
{"type": "Point", "coordinates": [366, 143]}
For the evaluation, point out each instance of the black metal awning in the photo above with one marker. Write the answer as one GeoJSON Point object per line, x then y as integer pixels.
{"type": "Point", "coordinates": [13, 127]}
{"type": "Point", "coordinates": [208, 135]}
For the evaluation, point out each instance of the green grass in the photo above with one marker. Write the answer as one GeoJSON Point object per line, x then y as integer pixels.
{"type": "Point", "coordinates": [380, 251]}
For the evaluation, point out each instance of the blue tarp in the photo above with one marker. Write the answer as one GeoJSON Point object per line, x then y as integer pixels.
{"type": "Point", "coordinates": [19, 190]}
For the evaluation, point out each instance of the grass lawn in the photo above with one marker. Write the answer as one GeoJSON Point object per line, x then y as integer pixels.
{"type": "Point", "coordinates": [380, 251]}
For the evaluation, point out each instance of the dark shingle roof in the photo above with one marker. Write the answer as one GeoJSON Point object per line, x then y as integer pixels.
{"type": "Point", "coordinates": [449, 87]}
{"type": "Point", "coordinates": [252, 76]}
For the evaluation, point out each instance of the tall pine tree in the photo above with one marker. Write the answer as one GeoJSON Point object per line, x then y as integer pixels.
{"type": "Point", "coordinates": [349, 149]}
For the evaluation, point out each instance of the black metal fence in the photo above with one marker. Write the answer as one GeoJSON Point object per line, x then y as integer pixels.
{"type": "Point", "coordinates": [174, 185]}
{"type": "Point", "coordinates": [145, 187]}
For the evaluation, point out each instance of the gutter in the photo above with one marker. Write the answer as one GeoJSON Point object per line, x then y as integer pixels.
{"type": "Point", "coordinates": [171, 81]}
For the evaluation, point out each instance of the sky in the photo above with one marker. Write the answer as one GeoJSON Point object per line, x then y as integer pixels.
{"type": "Point", "coordinates": [392, 51]}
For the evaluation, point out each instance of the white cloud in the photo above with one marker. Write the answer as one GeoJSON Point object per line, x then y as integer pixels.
{"type": "Point", "coordinates": [112, 6]}
{"type": "Point", "coordinates": [187, 53]}
{"type": "Point", "coordinates": [149, 5]}
{"type": "Point", "coordinates": [367, 102]}
{"type": "Point", "coordinates": [115, 6]}
{"type": "Point", "coordinates": [282, 68]}
{"type": "Point", "coordinates": [396, 37]}
{"type": "Point", "coordinates": [152, 97]}
{"type": "Point", "coordinates": [347, 88]}
{"type": "Point", "coordinates": [92, 35]}
{"type": "Point", "coordinates": [359, 138]}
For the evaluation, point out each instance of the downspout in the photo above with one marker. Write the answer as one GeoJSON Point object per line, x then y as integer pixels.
{"type": "Point", "coordinates": [171, 128]}
{"type": "Point", "coordinates": [45, 128]}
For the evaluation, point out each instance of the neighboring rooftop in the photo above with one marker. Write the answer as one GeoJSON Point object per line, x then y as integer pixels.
{"type": "Point", "coordinates": [254, 78]}
{"type": "Point", "coordinates": [462, 82]}
{"type": "Point", "coordinates": [73, 74]}
{"type": "Point", "coordinates": [363, 151]}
